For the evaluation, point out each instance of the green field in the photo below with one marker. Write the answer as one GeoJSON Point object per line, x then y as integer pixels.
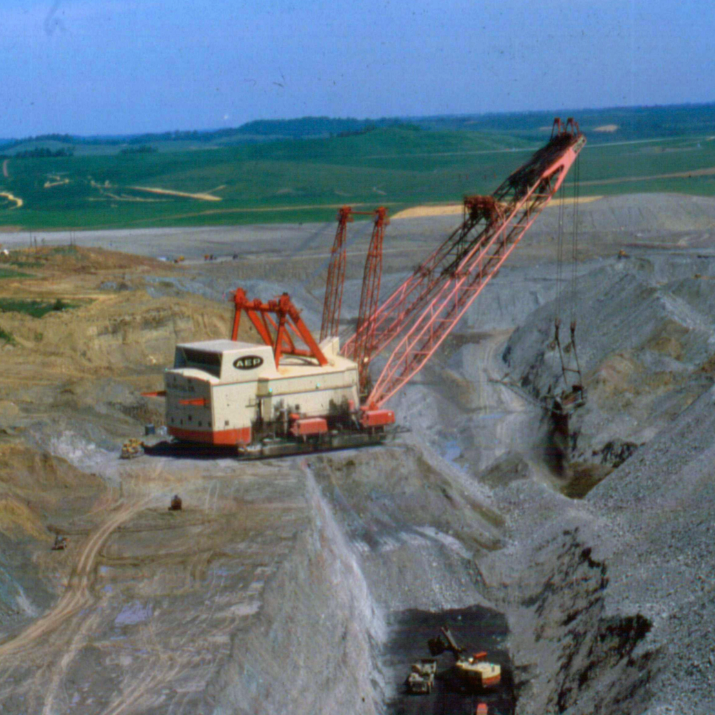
{"type": "Point", "coordinates": [304, 179]}
{"type": "Point", "coordinates": [10, 273]}
{"type": "Point", "coordinates": [33, 308]}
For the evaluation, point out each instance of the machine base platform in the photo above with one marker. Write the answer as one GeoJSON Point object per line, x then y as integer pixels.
{"type": "Point", "coordinates": [270, 448]}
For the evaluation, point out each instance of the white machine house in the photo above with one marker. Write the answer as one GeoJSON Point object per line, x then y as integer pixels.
{"type": "Point", "coordinates": [272, 398]}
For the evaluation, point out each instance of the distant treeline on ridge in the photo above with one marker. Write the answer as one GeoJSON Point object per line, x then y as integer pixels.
{"type": "Point", "coordinates": [603, 125]}
{"type": "Point", "coordinates": [257, 129]}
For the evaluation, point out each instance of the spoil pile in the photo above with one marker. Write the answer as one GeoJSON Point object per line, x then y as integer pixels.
{"type": "Point", "coordinates": [609, 599]}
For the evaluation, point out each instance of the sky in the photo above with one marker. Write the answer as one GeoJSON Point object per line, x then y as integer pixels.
{"type": "Point", "coordinates": [130, 66]}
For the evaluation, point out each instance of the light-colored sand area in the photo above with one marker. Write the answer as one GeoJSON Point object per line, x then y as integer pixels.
{"type": "Point", "coordinates": [10, 197]}
{"type": "Point", "coordinates": [456, 209]}
{"type": "Point", "coordinates": [169, 192]}
{"type": "Point", "coordinates": [109, 196]}
{"type": "Point", "coordinates": [675, 175]}
{"type": "Point", "coordinates": [54, 180]}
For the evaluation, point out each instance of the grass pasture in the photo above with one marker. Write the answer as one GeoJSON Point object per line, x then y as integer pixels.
{"type": "Point", "coordinates": [33, 308]}
{"type": "Point", "coordinates": [295, 180]}
{"type": "Point", "coordinates": [11, 273]}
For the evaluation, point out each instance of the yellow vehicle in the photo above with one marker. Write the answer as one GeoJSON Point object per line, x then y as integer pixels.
{"type": "Point", "coordinates": [132, 448]}
{"type": "Point", "coordinates": [474, 669]}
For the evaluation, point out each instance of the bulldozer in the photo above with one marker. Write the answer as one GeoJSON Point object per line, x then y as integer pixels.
{"type": "Point", "coordinates": [421, 678]}
{"type": "Point", "coordinates": [132, 449]}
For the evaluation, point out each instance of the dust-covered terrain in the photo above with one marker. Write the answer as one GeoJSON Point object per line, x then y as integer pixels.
{"type": "Point", "coordinates": [581, 560]}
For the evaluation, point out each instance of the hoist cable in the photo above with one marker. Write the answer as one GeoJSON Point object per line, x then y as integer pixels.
{"type": "Point", "coordinates": [574, 238]}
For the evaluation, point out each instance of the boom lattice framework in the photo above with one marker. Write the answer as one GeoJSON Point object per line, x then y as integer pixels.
{"type": "Point", "coordinates": [426, 307]}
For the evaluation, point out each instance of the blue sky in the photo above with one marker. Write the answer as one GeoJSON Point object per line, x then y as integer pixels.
{"type": "Point", "coordinates": [120, 66]}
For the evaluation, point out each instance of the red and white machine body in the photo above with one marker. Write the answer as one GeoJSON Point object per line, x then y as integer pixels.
{"type": "Point", "coordinates": [226, 392]}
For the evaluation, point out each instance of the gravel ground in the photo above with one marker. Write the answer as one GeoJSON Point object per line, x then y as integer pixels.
{"type": "Point", "coordinates": [297, 579]}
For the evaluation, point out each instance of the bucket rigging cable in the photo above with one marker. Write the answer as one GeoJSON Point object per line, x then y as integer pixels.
{"type": "Point", "coordinates": [573, 390]}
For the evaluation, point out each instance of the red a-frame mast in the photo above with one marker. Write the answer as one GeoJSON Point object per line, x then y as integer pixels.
{"type": "Point", "coordinates": [278, 323]}
{"type": "Point", "coordinates": [336, 277]}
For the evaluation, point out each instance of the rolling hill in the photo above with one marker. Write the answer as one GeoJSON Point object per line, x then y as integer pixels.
{"type": "Point", "coordinates": [187, 181]}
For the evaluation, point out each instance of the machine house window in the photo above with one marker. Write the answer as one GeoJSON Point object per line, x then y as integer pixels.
{"type": "Point", "coordinates": [198, 359]}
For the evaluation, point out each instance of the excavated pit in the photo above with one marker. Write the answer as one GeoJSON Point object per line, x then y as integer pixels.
{"type": "Point", "coordinates": [582, 565]}
{"type": "Point", "coordinates": [477, 629]}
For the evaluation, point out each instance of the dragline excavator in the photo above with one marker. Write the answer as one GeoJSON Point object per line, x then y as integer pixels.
{"type": "Point", "coordinates": [290, 393]}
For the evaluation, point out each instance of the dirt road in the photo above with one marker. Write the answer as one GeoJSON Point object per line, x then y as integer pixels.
{"type": "Point", "coordinates": [111, 644]}
{"type": "Point", "coordinates": [77, 595]}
